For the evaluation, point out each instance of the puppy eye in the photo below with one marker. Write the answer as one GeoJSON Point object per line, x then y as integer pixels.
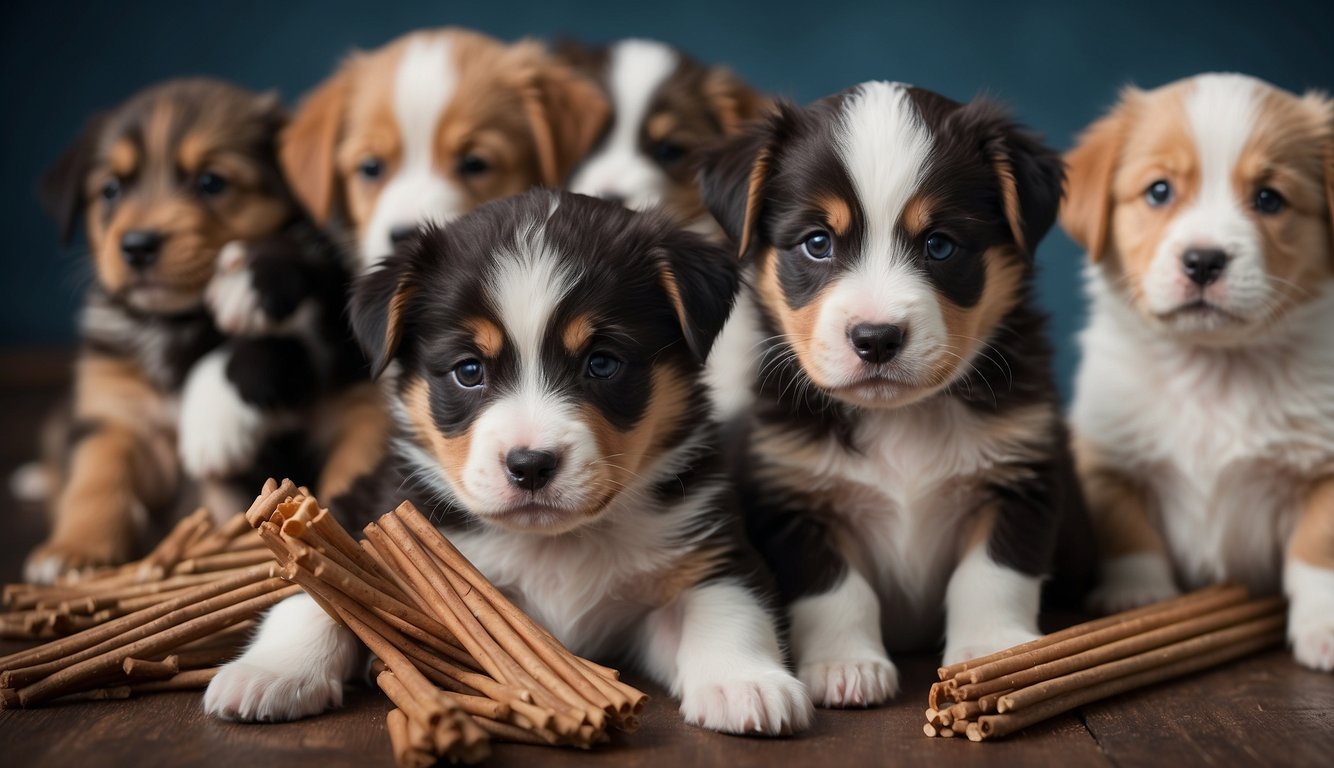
{"type": "Point", "coordinates": [472, 165]}
{"type": "Point", "coordinates": [211, 184]}
{"type": "Point", "coordinates": [469, 373]}
{"type": "Point", "coordinates": [940, 248]}
{"type": "Point", "coordinates": [111, 190]}
{"type": "Point", "coordinates": [1158, 193]}
{"type": "Point", "coordinates": [818, 245]}
{"type": "Point", "coordinates": [666, 152]}
{"type": "Point", "coordinates": [1268, 201]}
{"type": "Point", "coordinates": [602, 365]}
{"type": "Point", "coordinates": [371, 168]}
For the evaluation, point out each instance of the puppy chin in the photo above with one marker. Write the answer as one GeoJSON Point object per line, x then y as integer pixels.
{"type": "Point", "coordinates": [546, 513]}
{"type": "Point", "coordinates": [162, 300]}
{"type": "Point", "coordinates": [889, 386]}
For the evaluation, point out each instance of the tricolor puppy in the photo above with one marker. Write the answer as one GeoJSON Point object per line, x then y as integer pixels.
{"type": "Point", "coordinates": [431, 125]}
{"type": "Point", "coordinates": [191, 229]}
{"type": "Point", "coordinates": [665, 108]}
{"type": "Point", "coordinates": [906, 460]}
{"type": "Point", "coordinates": [1204, 406]}
{"type": "Point", "coordinates": [551, 416]}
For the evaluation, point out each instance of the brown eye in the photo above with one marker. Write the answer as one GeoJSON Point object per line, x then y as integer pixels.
{"type": "Point", "coordinates": [111, 190]}
{"type": "Point", "coordinates": [469, 373]}
{"type": "Point", "coordinates": [472, 165]}
{"type": "Point", "coordinates": [371, 168]}
{"type": "Point", "coordinates": [1268, 201]}
{"type": "Point", "coordinates": [211, 184]}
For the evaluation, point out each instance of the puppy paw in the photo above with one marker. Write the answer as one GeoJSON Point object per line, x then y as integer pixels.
{"type": "Point", "coordinates": [1132, 581]}
{"type": "Point", "coordinates": [56, 559]}
{"type": "Point", "coordinates": [230, 294]}
{"type": "Point", "coordinates": [768, 703]}
{"type": "Point", "coordinates": [850, 682]}
{"type": "Point", "coordinates": [1310, 614]}
{"type": "Point", "coordinates": [1313, 642]}
{"type": "Point", "coordinates": [247, 691]}
{"type": "Point", "coordinates": [964, 649]}
{"type": "Point", "coordinates": [219, 432]}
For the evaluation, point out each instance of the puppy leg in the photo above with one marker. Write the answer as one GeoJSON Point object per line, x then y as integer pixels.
{"type": "Point", "coordinates": [219, 431]}
{"type": "Point", "coordinates": [838, 646]}
{"type": "Point", "coordinates": [988, 605]}
{"type": "Point", "coordinates": [294, 668]}
{"type": "Point", "coordinates": [717, 649]}
{"type": "Point", "coordinates": [1308, 580]}
{"type": "Point", "coordinates": [360, 435]}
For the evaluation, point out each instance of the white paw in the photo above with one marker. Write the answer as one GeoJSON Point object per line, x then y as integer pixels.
{"type": "Point", "coordinates": [850, 682]}
{"type": "Point", "coordinates": [1310, 613]}
{"type": "Point", "coordinates": [45, 567]}
{"type": "Point", "coordinates": [770, 703]}
{"type": "Point", "coordinates": [231, 296]}
{"type": "Point", "coordinates": [1312, 639]}
{"type": "Point", "coordinates": [973, 647]}
{"type": "Point", "coordinates": [251, 692]}
{"type": "Point", "coordinates": [219, 432]}
{"type": "Point", "coordinates": [1132, 581]}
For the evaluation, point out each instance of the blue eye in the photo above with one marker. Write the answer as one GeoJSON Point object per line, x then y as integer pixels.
{"type": "Point", "coordinates": [603, 366]}
{"type": "Point", "coordinates": [1158, 193]}
{"type": "Point", "coordinates": [940, 248]}
{"type": "Point", "coordinates": [1268, 201]}
{"type": "Point", "coordinates": [818, 245]}
{"type": "Point", "coordinates": [111, 190]}
{"type": "Point", "coordinates": [371, 168]}
{"type": "Point", "coordinates": [211, 184]}
{"type": "Point", "coordinates": [469, 373]}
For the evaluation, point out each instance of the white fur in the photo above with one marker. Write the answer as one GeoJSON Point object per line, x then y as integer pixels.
{"type": "Point", "coordinates": [1131, 581]}
{"type": "Point", "coordinates": [988, 607]}
{"type": "Point", "coordinates": [1310, 593]}
{"type": "Point", "coordinates": [417, 191]}
{"type": "Point", "coordinates": [618, 168]}
{"type": "Point", "coordinates": [294, 668]}
{"type": "Point", "coordinates": [836, 639]}
{"type": "Point", "coordinates": [733, 362]}
{"type": "Point", "coordinates": [718, 651]}
{"type": "Point", "coordinates": [232, 300]}
{"type": "Point", "coordinates": [219, 432]}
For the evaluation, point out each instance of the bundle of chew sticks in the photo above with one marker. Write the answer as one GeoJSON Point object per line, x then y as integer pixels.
{"type": "Point", "coordinates": [460, 662]}
{"type": "Point", "coordinates": [996, 695]}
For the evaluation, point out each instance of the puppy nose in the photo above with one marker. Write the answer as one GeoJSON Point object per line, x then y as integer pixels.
{"type": "Point", "coordinates": [140, 247]}
{"type": "Point", "coordinates": [529, 469]}
{"type": "Point", "coordinates": [876, 343]}
{"type": "Point", "coordinates": [1203, 265]}
{"type": "Point", "coordinates": [401, 232]}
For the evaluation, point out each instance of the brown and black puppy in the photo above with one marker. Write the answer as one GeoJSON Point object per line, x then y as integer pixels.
{"type": "Point", "coordinates": [215, 315]}
{"type": "Point", "coordinates": [906, 467]}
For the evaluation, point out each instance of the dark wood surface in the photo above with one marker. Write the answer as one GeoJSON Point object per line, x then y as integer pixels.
{"type": "Point", "coordinates": [1264, 711]}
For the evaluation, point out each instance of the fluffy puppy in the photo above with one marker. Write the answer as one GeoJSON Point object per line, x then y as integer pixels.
{"type": "Point", "coordinates": [906, 451]}
{"type": "Point", "coordinates": [1204, 405]}
{"type": "Point", "coordinates": [550, 416]}
{"type": "Point", "coordinates": [431, 125]}
{"type": "Point", "coordinates": [166, 183]}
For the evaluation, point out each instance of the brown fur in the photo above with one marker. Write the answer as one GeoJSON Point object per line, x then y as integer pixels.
{"type": "Point", "coordinates": [579, 330]}
{"type": "Point", "coordinates": [638, 447]}
{"type": "Point", "coordinates": [838, 215]}
{"type": "Point", "coordinates": [361, 427]}
{"type": "Point", "coordinates": [1118, 507]}
{"type": "Point", "coordinates": [451, 453]}
{"type": "Point", "coordinates": [487, 336]}
{"type": "Point", "coordinates": [1312, 540]}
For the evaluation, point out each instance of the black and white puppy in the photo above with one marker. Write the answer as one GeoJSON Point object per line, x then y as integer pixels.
{"type": "Point", "coordinates": [906, 451]}
{"type": "Point", "coordinates": [550, 414]}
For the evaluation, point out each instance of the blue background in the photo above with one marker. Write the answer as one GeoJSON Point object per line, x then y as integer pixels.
{"type": "Point", "coordinates": [1058, 64]}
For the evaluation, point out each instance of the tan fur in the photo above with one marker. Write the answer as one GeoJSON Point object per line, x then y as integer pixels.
{"type": "Point", "coordinates": [734, 102]}
{"type": "Point", "coordinates": [758, 173]}
{"type": "Point", "coordinates": [1010, 196]}
{"type": "Point", "coordinates": [917, 215]}
{"type": "Point", "coordinates": [1118, 508]}
{"type": "Point", "coordinates": [578, 331]}
{"type": "Point", "coordinates": [566, 111]}
{"type": "Point", "coordinates": [636, 448]}
{"type": "Point", "coordinates": [691, 569]}
{"type": "Point", "coordinates": [838, 215]}
{"type": "Point", "coordinates": [797, 325]}
{"type": "Point", "coordinates": [361, 427]}
{"type": "Point", "coordinates": [451, 453]}
{"type": "Point", "coordinates": [307, 146]}
{"type": "Point", "coordinates": [487, 336]}
{"type": "Point", "coordinates": [1312, 540]}
{"type": "Point", "coordinates": [1089, 167]}
{"type": "Point", "coordinates": [967, 326]}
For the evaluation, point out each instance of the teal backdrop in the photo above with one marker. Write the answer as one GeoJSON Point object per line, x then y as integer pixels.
{"type": "Point", "coordinates": [1057, 64]}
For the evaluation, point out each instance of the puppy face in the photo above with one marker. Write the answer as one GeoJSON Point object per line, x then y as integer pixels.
{"type": "Point", "coordinates": [165, 181]}
{"type": "Point", "coordinates": [893, 230]}
{"type": "Point", "coordinates": [431, 125]}
{"type": "Point", "coordinates": [666, 107]}
{"type": "Point", "coordinates": [550, 347]}
{"type": "Point", "coordinates": [1207, 202]}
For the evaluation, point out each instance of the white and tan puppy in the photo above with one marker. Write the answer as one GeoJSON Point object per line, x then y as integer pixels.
{"type": "Point", "coordinates": [1204, 406]}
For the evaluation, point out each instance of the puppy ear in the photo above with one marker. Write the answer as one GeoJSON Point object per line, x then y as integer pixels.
{"type": "Point", "coordinates": [733, 101]}
{"type": "Point", "coordinates": [566, 111]}
{"type": "Point", "coordinates": [1087, 212]}
{"type": "Point", "coordinates": [733, 176]}
{"type": "Point", "coordinates": [308, 145]}
{"type": "Point", "coordinates": [61, 189]}
{"type": "Point", "coordinates": [1324, 108]}
{"type": "Point", "coordinates": [701, 279]}
{"type": "Point", "coordinates": [380, 303]}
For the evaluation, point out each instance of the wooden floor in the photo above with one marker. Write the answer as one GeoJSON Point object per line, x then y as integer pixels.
{"type": "Point", "coordinates": [1264, 711]}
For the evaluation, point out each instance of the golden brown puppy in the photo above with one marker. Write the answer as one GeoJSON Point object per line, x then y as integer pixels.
{"type": "Point", "coordinates": [1205, 402]}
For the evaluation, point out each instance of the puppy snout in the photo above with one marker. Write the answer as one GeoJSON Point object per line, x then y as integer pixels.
{"type": "Point", "coordinates": [876, 343]}
{"type": "Point", "coordinates": [1203, 265]}
{"type": "Point", "coordinates": [401, 232]}
{"type": "Point", "coordinates": [529, 469]}
{"type": "Point", "coordinates": [140, 248]}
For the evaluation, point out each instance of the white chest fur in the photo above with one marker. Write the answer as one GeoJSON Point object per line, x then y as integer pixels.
{"type": "Point", "coordinates": [1226, 439]}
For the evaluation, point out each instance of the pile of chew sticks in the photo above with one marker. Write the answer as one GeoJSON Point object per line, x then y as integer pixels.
{"type": "Point", "coordinates": [996, 695]}
{"type": "Point", "coordinates": [459, 661]}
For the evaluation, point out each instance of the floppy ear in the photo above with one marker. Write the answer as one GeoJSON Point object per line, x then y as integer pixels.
{"type": "Point", "coordinates": [61, 190]}
{"type": "Point", "coordinates": [701, 280]}
{"type": "Point", "coordinates": [379, 306]}
{"type": "Point", "coordinates": [733, 101]}
{"type": "Point", "coordinates": [566, 111]}
{"type": "Point", "coordinates": [308, 144]}
{"type": "Point", "coordinates": [1087, 212]}
{"type": "Point", "coordinates": [733, 175]}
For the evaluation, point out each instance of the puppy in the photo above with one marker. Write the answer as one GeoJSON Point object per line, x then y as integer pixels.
{"type": "Point", "coordinates": [431, 125]}
{"type": "Point", "coordinates": [1204, 405]}
{"type": "Point", "coordinates": [905, 453]}
{"type": "Point", "coordinates": [166, 183]}
{"type": "Point", "coordinates": [550, 416]}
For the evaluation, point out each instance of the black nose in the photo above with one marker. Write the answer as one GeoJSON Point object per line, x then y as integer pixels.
{"type": "Point", "coordinates": [140, 247]}
{"type": "Point", "coordinates": [1203, 265]}
{"type": "Point", "coordinates": [876, 343]}
{"type": "Point", "coordinates": [529, 469]}
{"type": "Point", "coordinates": [401, 232]}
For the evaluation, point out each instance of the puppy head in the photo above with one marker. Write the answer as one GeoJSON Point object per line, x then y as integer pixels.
{"type": "Point", "coordinates": [1207, 203]}
{"type": "Point", "coordinates": [431, 125]}
{"type": "Point", "coordinates": [666, 107]}
{"type": "Point", "coordinates": [164, 181]}
{"type": "Point", "coordinates": [893, 229]}
{"type": "Point", "coordinates": [549, 350]}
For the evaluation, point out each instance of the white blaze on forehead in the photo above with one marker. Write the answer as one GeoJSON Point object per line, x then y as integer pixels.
{"type": "Point", "coordinates": [423, 85]}
{"type": "Point", "coordinates": [1222, 111]}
